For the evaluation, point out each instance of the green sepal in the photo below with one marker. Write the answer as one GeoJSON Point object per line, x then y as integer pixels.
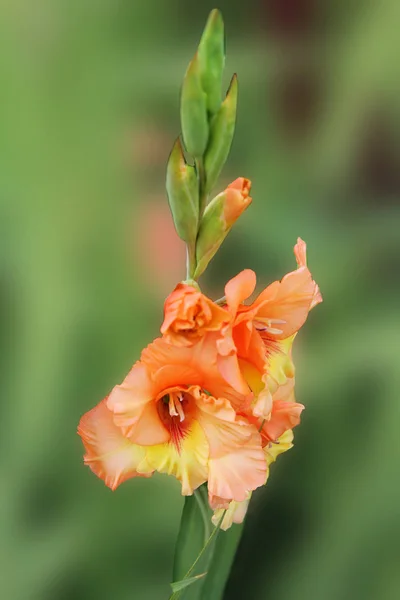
{"type": "Point", "coordinates": [221, 136]}
{"type": "Point", "coordinates": [194, 118]}
{"type": "Point", "coordinates": [212, 59]}
{"type": "Point", "coordinates": [183, 194]}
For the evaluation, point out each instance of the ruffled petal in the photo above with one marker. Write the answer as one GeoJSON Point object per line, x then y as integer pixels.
{"type": "Point", "coordinates": [134, 409]}
{"type": "Point", "coordinates": [284, 416]}
{"type": "Point", "coordinates": [109, 454]}
{"type": "Point", "coordinates": [189, 314]}
{"type": "Point", "coordinates": [186, 461]}
{"type": "Point", "coordinates": [130, 397]}
{"type": "Point", "coordinates": [236, 462]}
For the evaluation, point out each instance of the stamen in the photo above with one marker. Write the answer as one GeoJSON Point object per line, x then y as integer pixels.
{"type": "Point", "coordinates": [271, 321]}
{"type": "Point", "coordinates": [172, 408]}
{"type": "Point", "coordinates": [180, 411]}
{"type": "Point", "coordinates": [272, 330]}
{"type": "Point", "coordinates": [267, 327]}
{"type": "Point", "coordinates": [175, 405]}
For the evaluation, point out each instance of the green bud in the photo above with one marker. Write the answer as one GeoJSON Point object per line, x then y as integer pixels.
{"type": "Point", "coordinates": [212, 59]}
{"type": "Point", "coordinates": [218, 218]}
{"type": "Point", "coordinates": [194, 119]}
{"type": "Point", "coordinates": [221, 136]}
{"type": "Point", "coordinates": [183, 194]}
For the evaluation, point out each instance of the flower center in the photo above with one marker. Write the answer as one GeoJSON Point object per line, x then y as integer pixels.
{"type": "Point", "coordinates": [175, 408]}
{"type": "Point", "coordinates": [174, 402]}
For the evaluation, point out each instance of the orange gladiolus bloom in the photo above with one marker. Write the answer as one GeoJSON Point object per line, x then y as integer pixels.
{"type": "Point", "coordinates": [174, 414]}
{"type": "Point", "coordinates": [213, 399]}
{"type": "Point", "coordinates": [255, 349]}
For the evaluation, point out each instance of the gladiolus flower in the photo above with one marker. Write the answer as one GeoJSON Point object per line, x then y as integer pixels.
{"type": "Point", "coordinates": [174, 414]}
{"type": "Point", "coordinates": [255, 349]}
{"type": "Point", "coordinates": [189, 315]}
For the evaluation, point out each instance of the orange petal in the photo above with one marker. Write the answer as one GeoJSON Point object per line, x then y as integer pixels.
{"type": "Point", "coordinates": [289, 302]}
{"type": "Point", "coordinates": [230, 371]}
{"type": "Point", "coordinates": [134, 408]}
{"type": "Point", "coordinates": [189, 314]}
{"type": "Point", "coordinates": [237, 462]}
{"type": "Point", "coordinates": [128, 400]}
{"type": "Point", "coordinates": [149, 429]}
{"type": "Point", "coordinates": [286, 303]}
{"type": "Point", "coordinates": [238, 289]}
{"type": "Point", "coordinates": [110, 455]}
{"type": "Point", "coordinates": [300, 252]}
{"type": "Point", "coordinates": [172, 365]}
{"type": "Point", "coordinates": [284, 416]}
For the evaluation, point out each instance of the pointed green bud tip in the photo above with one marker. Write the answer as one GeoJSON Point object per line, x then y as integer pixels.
{"type": "Point", "coordinates": [194, 119]}
{"type": "Point", "coordinates": [183, 194]}
{"type": "Point", "coordinates": [212, 59]}
{"type": "Point", "coordinates": [218, 218]}
{"type": "Point", "coordinates": [221, 135]}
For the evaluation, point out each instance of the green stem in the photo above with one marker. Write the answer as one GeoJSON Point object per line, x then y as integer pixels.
{"type": "Point", "coordinates": [176, 595]}
{"type": "Point", "coordinates": [190, 261]}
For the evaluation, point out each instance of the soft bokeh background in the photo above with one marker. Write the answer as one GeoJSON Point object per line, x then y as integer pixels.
{"type": "Point", "coordinates": [88, 113]}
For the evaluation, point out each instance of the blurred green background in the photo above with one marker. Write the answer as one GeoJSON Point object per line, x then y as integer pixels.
{"type": "Point", "coordinates": [89, 103]}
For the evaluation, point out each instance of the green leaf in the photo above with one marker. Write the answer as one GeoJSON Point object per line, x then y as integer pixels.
{"type": "Point", "coordinates": [177, 586]}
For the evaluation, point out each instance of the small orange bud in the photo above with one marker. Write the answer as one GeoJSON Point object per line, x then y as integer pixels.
{"type": "Point", "coordinates": [237, 199]}
{"type": "Point", "coordinates": [218, 218]}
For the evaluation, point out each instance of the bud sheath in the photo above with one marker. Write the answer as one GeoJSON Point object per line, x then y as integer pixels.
{"type": "Point", "coordinates": [221, 135]}
{"type": "Point", "coordinates": [194, 121]}
{"type": "Point", "coordinates": [183, 194]}
{"type": "Point", "coordinates": [212, 59]}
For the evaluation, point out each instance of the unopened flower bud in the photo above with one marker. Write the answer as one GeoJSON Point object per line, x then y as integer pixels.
{"type": "Point", "coordinates": [212, 59]}
{"type": "Point", "coordinates": [218, 218]}
{"type": "Point", "coordinates": [183, 194]}
{"type": "Point", "coordinates": [194, 118]}
{"type": "Point", "coordinates": [221, 136]}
